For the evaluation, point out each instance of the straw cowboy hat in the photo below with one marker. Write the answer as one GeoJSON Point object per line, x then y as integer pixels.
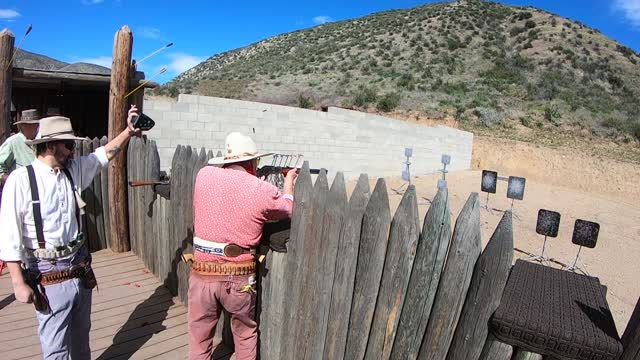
{"type": "Point", "coordinates": [54, 128]}
{"type": "Point", "coordinates": [31, 116]}
{"type": "Point", "coordinates": [239, 147]}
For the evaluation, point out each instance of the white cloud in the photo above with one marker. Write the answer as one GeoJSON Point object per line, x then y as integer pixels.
{"type": "Point", "coordinates": [91, 2]}
{"type": "Point", "coordinates": [181, 62]}
{"type": "Point", "coordinates": [322, 19]}
{"type": "Point", "coordinates": [631, 10]}
{"type": "Point", "coordinates": [100, 60]}
{"type": "Point", "coordinates": [149, 32]}
{"type": "Point", "coordinates": [8, 14]}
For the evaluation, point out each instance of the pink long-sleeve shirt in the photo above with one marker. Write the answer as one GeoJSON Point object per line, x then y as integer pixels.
{"type": "Point", "coordinates": [231, 206]}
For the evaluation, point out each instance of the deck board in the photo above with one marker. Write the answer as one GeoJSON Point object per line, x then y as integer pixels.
{"type": "Point", "coordinates": [133, 316]}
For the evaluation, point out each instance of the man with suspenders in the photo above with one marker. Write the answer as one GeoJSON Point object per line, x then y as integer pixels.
{"type": "Point", "coordinates": [42, 241]}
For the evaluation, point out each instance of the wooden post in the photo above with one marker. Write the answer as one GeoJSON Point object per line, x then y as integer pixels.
{"type": "Point", "coordinates": [117, 122]}
{"type": "Point", "coordinates": [7, 40]}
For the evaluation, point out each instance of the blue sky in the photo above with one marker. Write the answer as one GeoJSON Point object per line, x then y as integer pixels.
{"type": "Point", "coordinates": [83, 30]}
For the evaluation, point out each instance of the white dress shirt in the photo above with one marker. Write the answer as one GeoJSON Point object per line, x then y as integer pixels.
{"type": "Point", "coordinates": [57, 205]}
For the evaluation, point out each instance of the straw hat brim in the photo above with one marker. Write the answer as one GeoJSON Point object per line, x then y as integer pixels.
{"type": "Point", "coordinates": [61, 137]}
{"type": "Point", "coordinates": [220, 161]}
{"type": "Point", "coordinates": [27, 122]}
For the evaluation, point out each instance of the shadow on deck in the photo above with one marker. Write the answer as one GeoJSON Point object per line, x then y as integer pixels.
{"type": "Point", "coordinates": [133, 316]}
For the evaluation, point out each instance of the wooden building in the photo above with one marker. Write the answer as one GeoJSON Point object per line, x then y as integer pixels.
{"type": "Point", "coordinates": [78, 91]}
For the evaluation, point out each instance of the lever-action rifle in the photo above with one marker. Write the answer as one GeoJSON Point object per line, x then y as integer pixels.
{"type": "Point", "coordinates": [162, 188]}
{"type": "Point", "coordinates": [272, 170]}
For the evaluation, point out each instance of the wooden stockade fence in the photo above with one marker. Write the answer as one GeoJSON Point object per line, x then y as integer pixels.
{"type": "Point", "coordinates": [356, 282]}
{"type": "Point", "coordinates": [95, 225]}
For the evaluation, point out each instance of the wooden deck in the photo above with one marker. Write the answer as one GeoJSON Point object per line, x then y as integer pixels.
{"type": "Point", "coordinates": [133, 316]}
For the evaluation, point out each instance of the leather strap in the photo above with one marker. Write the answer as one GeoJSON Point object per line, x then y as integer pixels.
{"type": "Point", "coordinates": [224, 268]}
{"type": "Point", "coordinates": [76, 271]}
{"type": "Point", "coordinates": [35, 201]}
{"type": "Point", "coordinates": [75, 200]}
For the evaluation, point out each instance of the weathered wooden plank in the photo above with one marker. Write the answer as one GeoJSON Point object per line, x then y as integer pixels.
{"type": "Point", "coordinates": [425, 277]}
{"type": "Point", "coordinates": [140, 201]}
{"type": "Point", "coordinates": [373, 246]}
{"type": "Point", "coordinates": [132, 174]}
{"type": "Point", "coordinates": [485, 291]}
{"type": "Point", "coordinates": [104, 177]}
{"type": "Point", "coordinates": [89, 199]}
{"type": "Point", "coordinates": [328, 243]}
{"type": "Point", "coordinates": [174, 248]}
{"type": "Point", "coordinates": [152, 170]}
{"type": "Point", "coordinates": [97, 193]}
{"type": "Point", "coordinates": [401, 250]}
{"type": "Point", "coordinates": [494, 349]}
{"type": "Point", "coordinates": [187, 222]}
{"type": "Point", "coordinates": [454, 283]}
{"type": "Point", "coordinates": [312, 258]}
{"type": "Point", "coordinates": [525, 355]}
{"type": "Point", "coordinates": [346, 258]}
{"type": "Point", "coordinates": [631, 336]}
{"type": "Point", "coordinates": [283, 337]}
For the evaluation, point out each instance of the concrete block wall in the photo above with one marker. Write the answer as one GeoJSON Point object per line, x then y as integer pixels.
{"type": "Point", "coordinates": [339, 140]}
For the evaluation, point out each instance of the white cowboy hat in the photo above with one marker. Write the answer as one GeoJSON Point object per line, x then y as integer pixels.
{"type": "Point", "coordinates": [238, 148]}
{"type": "Point", "coordinates": [31, 116]}
{"type": "Point", "coordinates": [54, 128]}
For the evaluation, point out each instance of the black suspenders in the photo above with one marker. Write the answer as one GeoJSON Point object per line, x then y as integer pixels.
{"type": "Point", "coordinates": [35, 198]}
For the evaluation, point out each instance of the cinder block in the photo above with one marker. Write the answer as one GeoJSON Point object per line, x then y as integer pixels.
{"type": "Point", "coordinates": [188, 98]}
{"type": "Point", "coordinates": [188, 116]}
{"type": "Point", "coordinates": [188, 134]}
{"type": "Point", "coordinates": [170, 116]}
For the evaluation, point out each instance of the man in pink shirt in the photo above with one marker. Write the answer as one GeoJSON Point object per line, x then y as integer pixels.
{"type": "Point", "coordinates": [231, 207]}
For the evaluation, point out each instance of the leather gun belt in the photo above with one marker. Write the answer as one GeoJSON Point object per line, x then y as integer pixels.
{"type": "Point", "coordinates": [224, 268]}
{"type": "Point", "coordinates": [76, 271]}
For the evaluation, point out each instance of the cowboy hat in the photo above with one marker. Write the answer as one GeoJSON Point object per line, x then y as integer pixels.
{"type": "Point", "coordinates": [31, 116]}
{"type": "Point", "coordinates": [54, 128]}
{"type": "Point", "coordinates": [239, 147]}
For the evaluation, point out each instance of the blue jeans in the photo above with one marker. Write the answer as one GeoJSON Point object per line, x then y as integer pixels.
{"type": "Point", "coordinates": [64, 331]}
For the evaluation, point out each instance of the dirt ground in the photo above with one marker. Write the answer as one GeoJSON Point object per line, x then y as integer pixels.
{"type": "Point", "coordinates": [576, 186]}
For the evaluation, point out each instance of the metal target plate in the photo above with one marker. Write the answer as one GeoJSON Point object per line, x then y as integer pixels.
{"type": "Point", "coordinates": [446, 159]}
{"type": "Point", "coordinates": [548, 223]}
{"type": "Point", "coordinates": [408, 152]}
{"type": "Point", "coordinates": [585, 233]}
{"type": "Point", "coordinates": [515, 190]}
{"type": "Point", "coordinates": [489, 181]}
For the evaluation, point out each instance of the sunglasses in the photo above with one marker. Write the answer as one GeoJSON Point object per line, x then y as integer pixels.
{"type": "Point", "coordinates": [70, 145]}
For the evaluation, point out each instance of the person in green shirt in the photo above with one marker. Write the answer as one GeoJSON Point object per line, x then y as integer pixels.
{"type": "Point", "coordinates": [14, 152]}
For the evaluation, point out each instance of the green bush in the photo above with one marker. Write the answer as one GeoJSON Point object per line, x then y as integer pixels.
{"type": "Point", "coordinates": [388, 102]}
{"type": "Point", "coordinates": [488, 116]}
{"type": "Point", "coordinates": [530, 24]}
{"type": "Point", "coordinates": [305, 102]}
{"type": "Point", "coordinates": [526, 121]}
{"type": "Point", "coordinates": [365, 96]}
{"type": "Point", "coordinates": [552, 114]}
